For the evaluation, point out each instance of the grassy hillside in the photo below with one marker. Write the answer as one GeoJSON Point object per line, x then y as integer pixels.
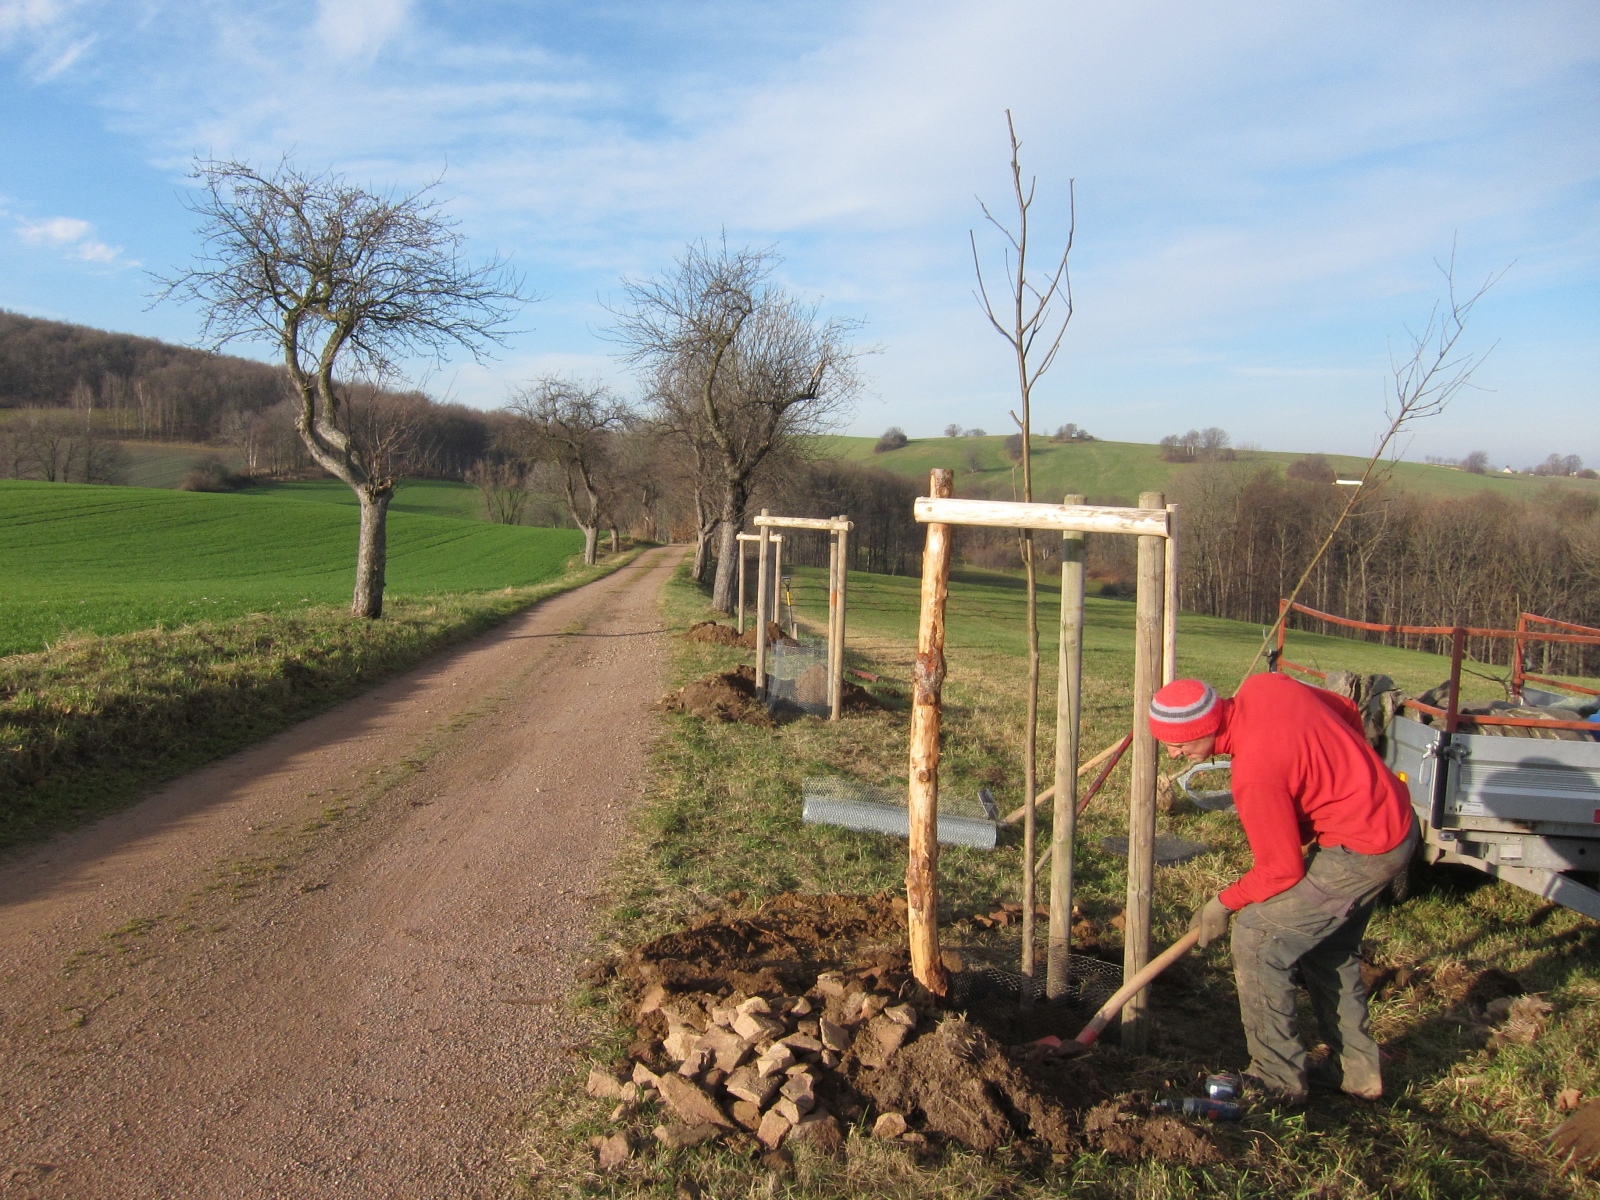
{"type": "Point", "coordinates": [1124, 469]}
{"type": "Point", "coordinates": [80, 559]}
{"type": "Point", "coordinates": [428, 497]}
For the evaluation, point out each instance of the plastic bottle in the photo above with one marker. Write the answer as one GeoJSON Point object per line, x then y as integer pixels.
{"type": "Point", "coordinates": [1211, 1110]}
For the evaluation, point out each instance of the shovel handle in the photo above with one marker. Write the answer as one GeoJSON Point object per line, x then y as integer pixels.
{"type": "Point", "coordinates": [1138, 983]}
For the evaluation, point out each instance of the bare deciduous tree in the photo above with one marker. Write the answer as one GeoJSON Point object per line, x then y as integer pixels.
{"type": "Point", "coordinates": [570, 426]}
{"type": "Point", "coordinates": [751, 366]}
{"type": "Point", "coordinates": [339, 279]}
{"type": "Point", "coordinates": [1033, 327]}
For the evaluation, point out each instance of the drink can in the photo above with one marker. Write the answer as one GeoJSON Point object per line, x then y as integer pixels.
{"type": "Point", "coordinates": [1224, 1086]}
{"type": "Point", "coordinates": [1211, 1110]}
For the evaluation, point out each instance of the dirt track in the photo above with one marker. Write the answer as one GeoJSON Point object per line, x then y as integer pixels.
{"type": "Point", "coordinates": [334, 964]}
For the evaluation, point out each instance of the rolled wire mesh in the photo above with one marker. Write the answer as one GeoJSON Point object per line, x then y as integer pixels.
{"type": "Point", "coordinates": [852, 804]}
{"type": "Point", "coordinates": [1090, 983]}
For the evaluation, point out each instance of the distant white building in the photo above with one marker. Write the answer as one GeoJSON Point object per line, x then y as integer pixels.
{"type": "Point", "coordinates": [1507, 471]}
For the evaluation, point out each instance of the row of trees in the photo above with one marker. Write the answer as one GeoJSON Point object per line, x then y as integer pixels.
{"type": "Point", "coordinates": [1248, 533]}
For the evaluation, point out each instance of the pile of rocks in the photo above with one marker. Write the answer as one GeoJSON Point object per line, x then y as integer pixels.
{"type": "Point", "coordinates": [772, 1067]}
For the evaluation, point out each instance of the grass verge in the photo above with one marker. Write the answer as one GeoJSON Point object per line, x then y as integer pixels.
{"type": "Point", "coordinates": [1463, 1121]}
{"type": "Point", "coordinates": [92, 724]}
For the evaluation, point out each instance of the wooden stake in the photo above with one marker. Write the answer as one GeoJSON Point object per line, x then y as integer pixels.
{"type": "Point", "coordinates": [833, 613]}
{"type": "Point", "coordinates": [1142, 787]}
{"type": "Point", "coordinates": [777, 575]}
{"type": "Point", "coordinates": [922, 866]}
{"type": "Point", "coordinates": [838, 648]}
{"type": "Point", "coordinates": [761, 610]}
{"type": "Point", "coordinates": [1069, 695]}
{"type": "Point", "coordinates": [1169, 611]}
{"type": "Point", "coordinates": [740, 544]}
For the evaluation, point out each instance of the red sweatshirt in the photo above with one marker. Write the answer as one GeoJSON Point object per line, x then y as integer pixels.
{"type": "Point", "coordinates": [1302, 771]}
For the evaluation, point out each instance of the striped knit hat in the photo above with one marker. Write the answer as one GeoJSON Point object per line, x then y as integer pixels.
{"type": "Point", "coordinates": [1184, 710]}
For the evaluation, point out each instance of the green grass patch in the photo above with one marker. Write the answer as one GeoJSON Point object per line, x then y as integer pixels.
{"type": "Point", "coordinates": [81, 560]}
{"type": "Point", "coordinates": [1124, 469]}
{"type": "Point", "coordinates": [723, 815]}
{"type": "Point", "coordinates": [91, 725]}
{"type": "Point", "coordinates": [423, 497]}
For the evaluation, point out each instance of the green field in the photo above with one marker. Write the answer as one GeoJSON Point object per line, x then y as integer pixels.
{"type": "Point", "coordinates": [95, 560]}
{"type": "Point", "coordinates": [427, 497]}
{"type": "Point", "coordinates": [1121, 470]}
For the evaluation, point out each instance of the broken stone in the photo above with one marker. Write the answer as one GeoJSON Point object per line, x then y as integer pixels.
{"type": "Point", "coordinates": [652, 999]}
{"type": "Point", "coordinates": [902, 1014]}
{"type": "Point", "coordinates": [871, 1005]}
{"type": "Point", "coordinates": [889, 1126]}
{"type": "Point", "coordinates": [697, 1061]}
{"type": "Point", "coordinates": [834, 1037]}
{"type": "Point", "coordinates": [603, 1085]}
{"type": "Point", "coordinates": [754, 1026]}
{"type": "Point", "coordinates": [800, 1008]}
{"type": "Point", "coordinates": [821, 1132]}
{"type": "Point", "coordinates": [614, 1151]}
{"type": "Point", "coordinates": [746, 1084]}
{"type": "Point", "coordinates": [680, 1041]}
{"type": "Point", "coordinates": [802, 1042]}
{"type": "Point", "coordinates": [644, 1077]}
{"type": "Point", "coordinates": [724, 1015]}
{"type": "Point", "coordinates": [713, 1077]}
{"type": "Point", "coordinates": [802, 1090]}
{"type": "Point", "coordinates": [691, 1103]}
{"type": "Point", "coordinates": [773, 1129]}
{"type": "Point", "coordinates": [790, 1110]}
{"type": "Point", "coordinates": [1567, 1099]}
{"type": "Point", "coordinates": [728, 1047]}
{"type": "Point", "coordinates": [830, 1059]}
{"type": "Point", "coordinates": [679, 1137]}
{"type": "Point", "coordinates": [830, 984]}
{"type": "Point", "coordinates": [748, 1114]}
{"type": "Point", "coordinates": [775, 1061]}
{"type": "Point", "coordinates": [630, 1093]}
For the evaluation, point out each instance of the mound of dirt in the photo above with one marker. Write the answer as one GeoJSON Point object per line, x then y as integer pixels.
{"type": "Point", "coordinates": [717, 635]}
{"type": "Point", "coordinates": [779, 1021]}
{"type": "Point", "coordinates": [725, 696]}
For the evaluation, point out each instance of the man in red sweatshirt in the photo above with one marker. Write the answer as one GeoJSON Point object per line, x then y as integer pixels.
{"type": "Point", "coordinates": [1329, 826]}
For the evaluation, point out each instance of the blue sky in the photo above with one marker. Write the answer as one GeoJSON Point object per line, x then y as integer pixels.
{"type": "Point", "coordinates": [1263, 188]}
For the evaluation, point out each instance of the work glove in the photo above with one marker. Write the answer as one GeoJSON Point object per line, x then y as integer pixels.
{"type": "Point", "coordinates": [1211, 920]}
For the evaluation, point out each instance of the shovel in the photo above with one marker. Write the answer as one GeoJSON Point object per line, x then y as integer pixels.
{"type": "Point", "coordinates": [1091, 1032]}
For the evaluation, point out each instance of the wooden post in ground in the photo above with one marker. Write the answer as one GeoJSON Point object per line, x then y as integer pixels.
{"type": "Point", "coordinates": [832, 612]}
{"type": "Point", "coordinates": [739, 543]}
{"type": "Point", "coordinates": [836, 671]}
{"type": "Point", "coordinates": [1169, 612]}
{"type": "Point", "coordinates": [761, 610]}
{"type": "Point", "coordinates": [1069, 697]}
{"type": "Point", "coordinates": [922, 866]}
{"type": "Point", "coordinates": [1142, 786]}
{"type": "Point", "coordinates": [777, 575]}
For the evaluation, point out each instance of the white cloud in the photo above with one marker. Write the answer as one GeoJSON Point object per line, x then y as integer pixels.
{"type": "Point", "coordinates": [17, 16]}
{"type": "Point", "coordinates": [72, 236]}
{"type": "Point", "coordinates": [358, 28]}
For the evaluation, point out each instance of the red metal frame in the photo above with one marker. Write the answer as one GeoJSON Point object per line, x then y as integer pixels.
{"type": "Point", "coordinates": [1574, 635]}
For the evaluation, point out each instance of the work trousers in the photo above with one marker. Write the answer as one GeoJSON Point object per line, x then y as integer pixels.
{"type": "Point", "coordinates": [1317, 926]}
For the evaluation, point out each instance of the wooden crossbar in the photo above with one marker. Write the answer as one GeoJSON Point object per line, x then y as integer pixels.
{"type": "Point", "coordinates": [832, 524]}
{"type": "Point", "coordinates": [1074, 518]}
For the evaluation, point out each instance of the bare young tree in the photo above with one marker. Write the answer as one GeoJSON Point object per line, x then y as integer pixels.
{"type": "Point", "coordinates": [1033, 327]}
{"type": "Point", "coordinates": [570, 426]}
{"type": "Point", "coordinates": [1421, 384]}
{"type": "Point", "coordinates": [339, 280]}
{"type": "Point", "coordinates": [758, 366]}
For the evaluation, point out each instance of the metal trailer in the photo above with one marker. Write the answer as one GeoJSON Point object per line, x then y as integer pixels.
{"type": "Point", "coordinates": [1525, 810]}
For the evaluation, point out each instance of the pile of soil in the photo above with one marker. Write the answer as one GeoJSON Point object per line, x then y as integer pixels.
{"type": "Point", "coordinates": [779, 1022]}
{"type": "Point", "coordinates": [726, 635]}
{"type": "Point", "coordinates": [725, 696]}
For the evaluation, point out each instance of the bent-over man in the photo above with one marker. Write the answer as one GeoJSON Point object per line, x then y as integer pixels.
{"type": "Point", "coordinates": [1329, 827]}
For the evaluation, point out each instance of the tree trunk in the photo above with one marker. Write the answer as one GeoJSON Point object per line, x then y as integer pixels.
{"type": "Point", "coordinates": [702, 548]}
{"type": "Point", "coordinates": [372, 551]}
{"type": "Point", "coordinates": [722, 594]}
{"type": "Point", "coordinates": [591, 543]}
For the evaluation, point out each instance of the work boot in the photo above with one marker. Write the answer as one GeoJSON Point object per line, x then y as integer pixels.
{"type": "Point", "coordinates": [1330, 1077]}
{"type": "Point", "coordinates": [1257, 1091]}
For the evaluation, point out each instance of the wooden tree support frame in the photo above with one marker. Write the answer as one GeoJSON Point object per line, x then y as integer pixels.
{"type": "Point", "coordinates": [745, 539]}
{"type": "Point", "coordinates": [1155, 660]}
{"type": "Point", "coordinates": [838, 559]}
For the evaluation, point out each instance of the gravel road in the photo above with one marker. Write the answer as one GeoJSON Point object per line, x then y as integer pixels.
{"type": "Point", "coordinates": [334, 964]}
